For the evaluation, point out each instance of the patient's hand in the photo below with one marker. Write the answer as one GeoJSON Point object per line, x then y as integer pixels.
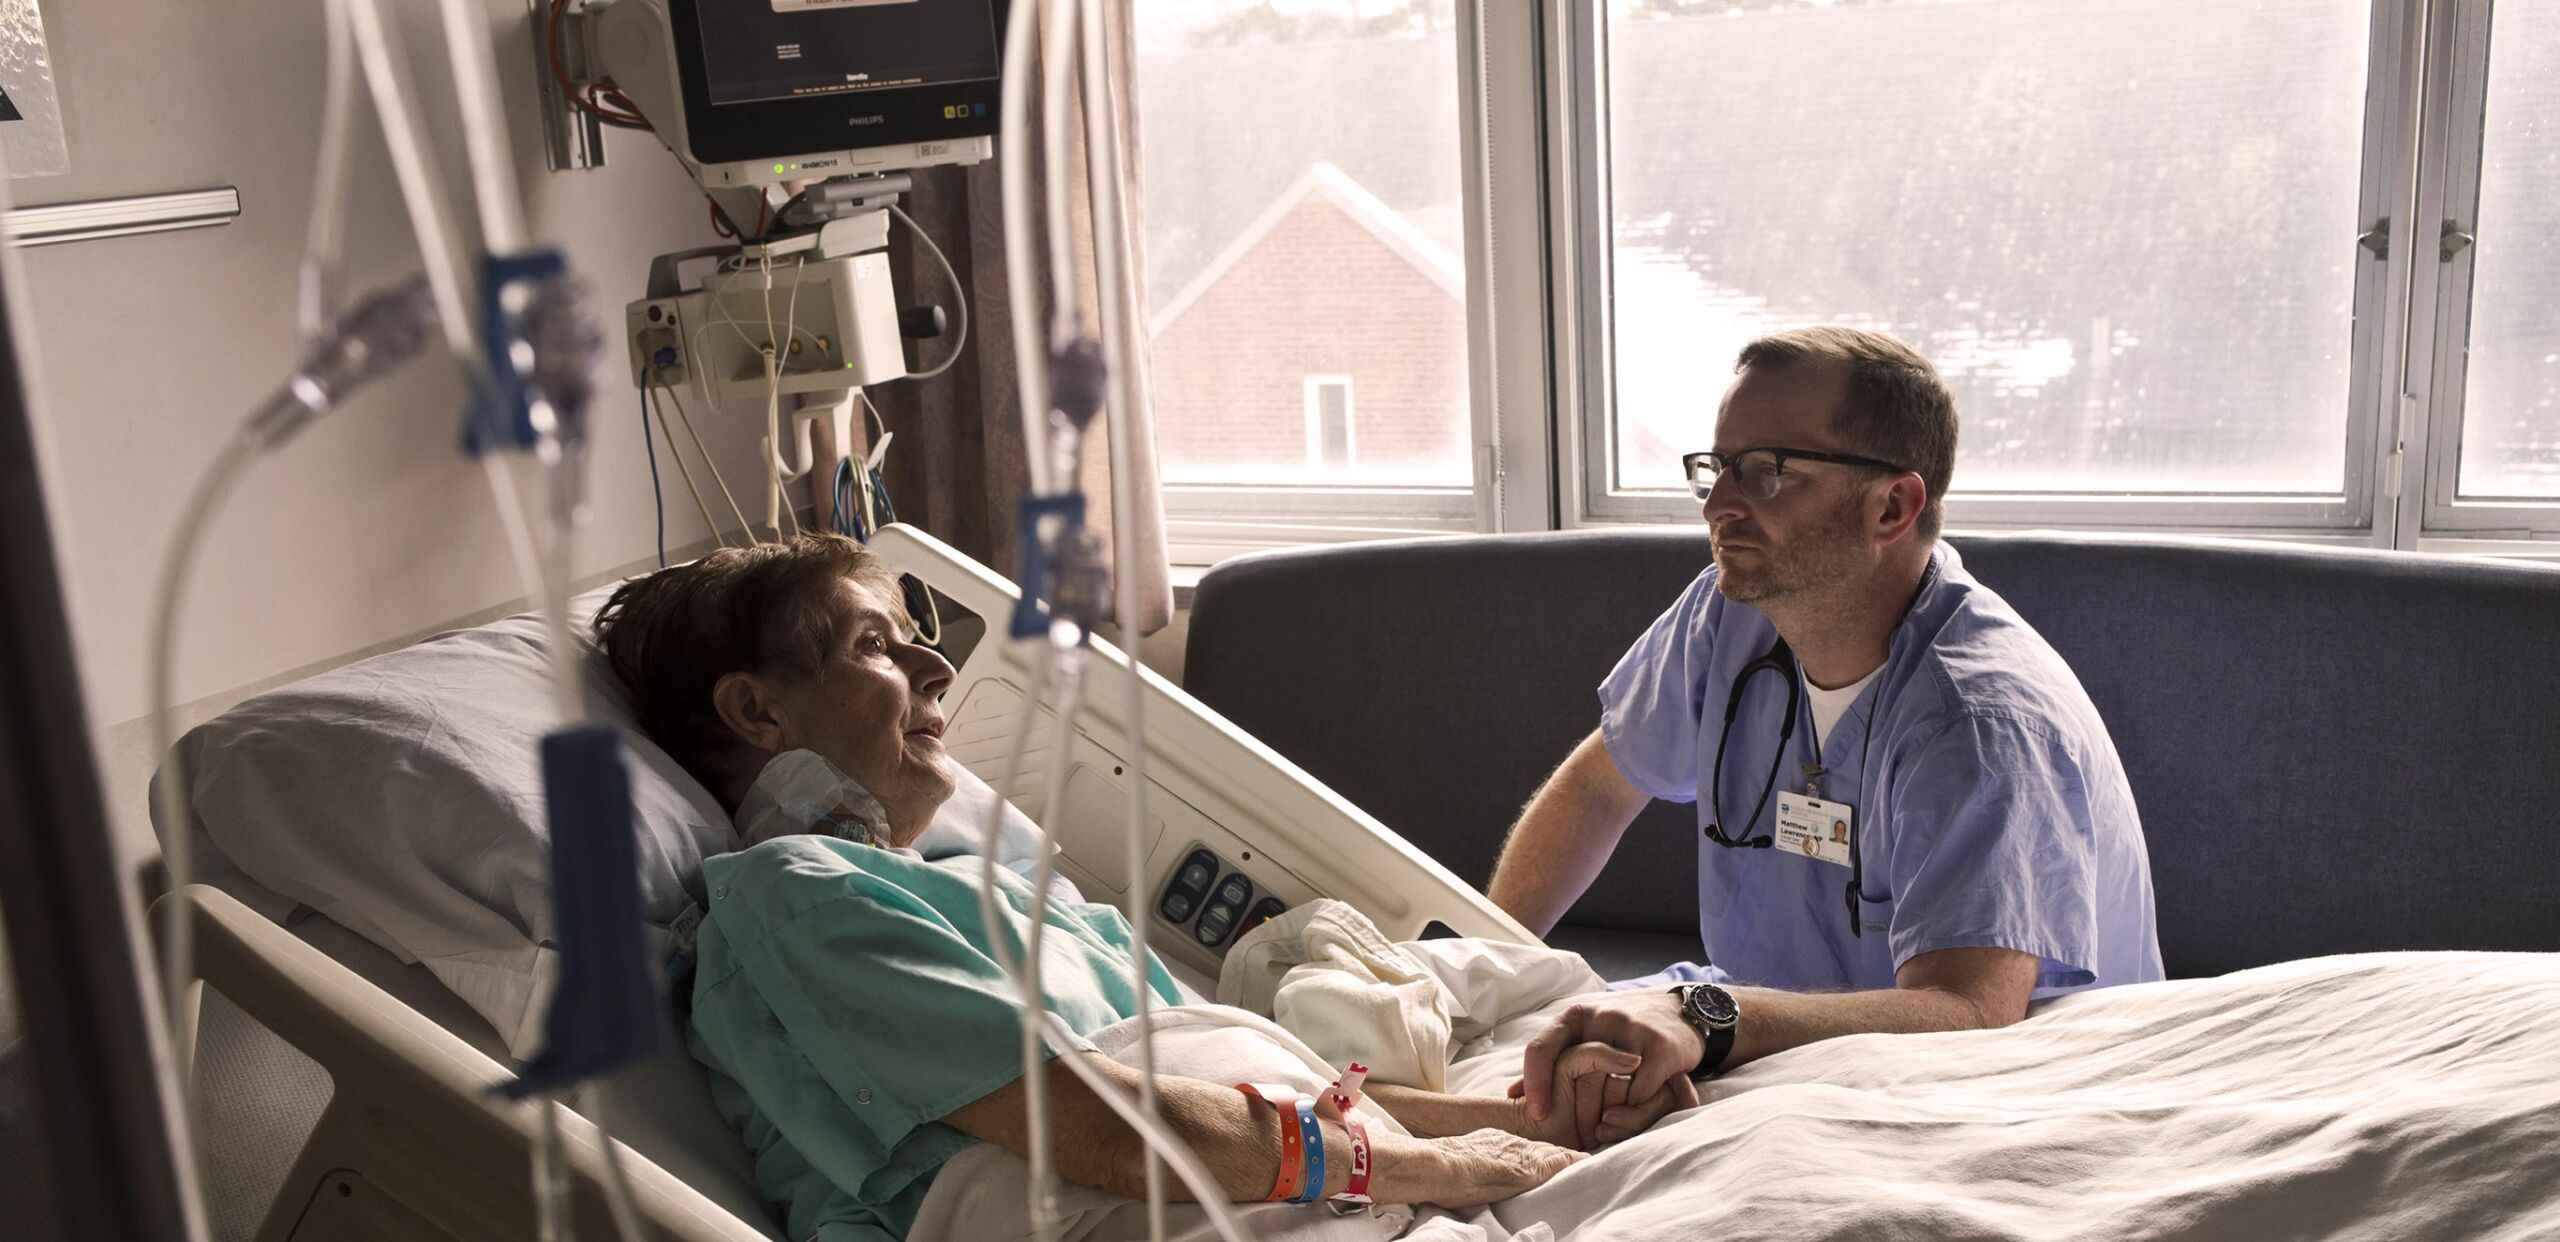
{"type": "Point", "coordinates": [1593, 1089]}
{"type": "Point", "coordinates": [1466, 1170]}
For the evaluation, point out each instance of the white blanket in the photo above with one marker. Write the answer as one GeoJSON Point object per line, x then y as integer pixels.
{"type": "Point", "coordinates": [2386, 1096]}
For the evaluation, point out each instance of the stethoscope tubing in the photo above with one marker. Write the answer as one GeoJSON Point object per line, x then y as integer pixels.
{"type": "Point", "coordinates": [1781, 659]}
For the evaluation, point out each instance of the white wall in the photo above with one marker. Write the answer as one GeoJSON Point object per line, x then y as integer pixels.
{"type": "Point", "coordinates": [371, 527]}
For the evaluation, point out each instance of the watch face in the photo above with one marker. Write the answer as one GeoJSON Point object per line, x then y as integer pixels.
{"type": "Point", "coordinates": [1715, 1005]}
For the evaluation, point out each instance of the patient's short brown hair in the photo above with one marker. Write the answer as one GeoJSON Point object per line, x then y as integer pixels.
{"type": "Point", "coordinates": [762, 609]}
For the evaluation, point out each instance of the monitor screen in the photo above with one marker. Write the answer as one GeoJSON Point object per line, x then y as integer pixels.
{"type": "Point", "coordinates": [758, 50]}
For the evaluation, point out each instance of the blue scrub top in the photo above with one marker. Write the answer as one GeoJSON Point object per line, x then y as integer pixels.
{"type": "Point", "coordinates": [1991, 808]}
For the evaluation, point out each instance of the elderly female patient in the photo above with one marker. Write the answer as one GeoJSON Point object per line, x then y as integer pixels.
{"type": "Point", "coordinates": [858, 1031]}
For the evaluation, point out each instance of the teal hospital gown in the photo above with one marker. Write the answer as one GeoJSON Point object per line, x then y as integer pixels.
{"type": "Point", "coordinates": [845, 1001]}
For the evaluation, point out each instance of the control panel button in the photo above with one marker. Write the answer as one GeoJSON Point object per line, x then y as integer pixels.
{"type": "Point", "coordinates": [1264, 911]}
{"type": "Point", "coordinates": [1236, 891]}
{"type": "Point", "coordinates": [1183, 895]}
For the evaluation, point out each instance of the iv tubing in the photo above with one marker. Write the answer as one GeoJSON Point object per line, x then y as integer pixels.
{"type": "Point", "coordinates": [326, 237]}
{"type": "Point", "coordinates": [1057, 75]}
{"type": "Point", "coordinates": [1070, 676]}
{"type": "Point", "coordinates": [529, 560]}
{"type": "Point", "coordinates": [1031, 354]}
{"type": "Point", "coordinates": [502, 230]}
{"type": "Point", "coordinates": [1111, 272]}
{"type": "Point", "coordinates": [177, 833]}
{"type": "Point", "coordinates": [484, 131]}
{"type": "Point", "coordinates": [1151, 1128]}
{"type": "Point", "coordinates": [395, 102]}
{"type": "Point", "coordinates": [1030, 348]}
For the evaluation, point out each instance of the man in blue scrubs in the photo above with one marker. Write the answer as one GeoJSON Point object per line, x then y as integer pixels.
{"type": "Point", "coordinates": [1837, 666]}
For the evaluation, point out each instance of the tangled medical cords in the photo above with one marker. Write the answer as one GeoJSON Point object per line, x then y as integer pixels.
{"type": "Point", "coordinates": [1066, 379]}
{"type": "Point", "coordinates": [519, 329]}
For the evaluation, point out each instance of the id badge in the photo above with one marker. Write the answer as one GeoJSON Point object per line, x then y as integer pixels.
{"type": "Point", "coordinates": [1815, 828]}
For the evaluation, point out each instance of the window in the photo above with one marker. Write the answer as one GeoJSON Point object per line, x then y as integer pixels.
{"type": "Point", "coordinates": [1329, 423]}
{"type": "Point", "coordinates": [2282, 267]}
{"type": "Point", "coordinates": [2128, 247]}
{"type": "Point", "coordinates": [1303, 217]}
{"type": "Point", "coordinates": [2509, 366]}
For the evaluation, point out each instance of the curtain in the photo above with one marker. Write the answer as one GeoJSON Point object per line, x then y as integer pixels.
{"type": "Point", "coordinates": [957, 467]}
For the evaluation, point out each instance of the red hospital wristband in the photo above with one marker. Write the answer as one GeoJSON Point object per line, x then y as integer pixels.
{"type": "Point", "coordinates": [1293, 1141]}
{"type": "Point", "coordinates": [1356, 1122]}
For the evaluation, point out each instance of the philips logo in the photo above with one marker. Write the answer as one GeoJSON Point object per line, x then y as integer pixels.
{"type": "Point", "coordinates": [866, 120]}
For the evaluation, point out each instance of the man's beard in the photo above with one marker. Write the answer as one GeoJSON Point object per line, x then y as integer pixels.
{"type": "Point", "coordinates": [1818, 560]}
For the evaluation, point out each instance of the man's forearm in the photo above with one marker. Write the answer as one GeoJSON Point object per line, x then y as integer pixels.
{"type": "Point", "coordinates": [1563, 838]}
{"type": "Point", "coordinates": [1773, 1022]}
{"type": "Point", "coordinates": [1546, 863]}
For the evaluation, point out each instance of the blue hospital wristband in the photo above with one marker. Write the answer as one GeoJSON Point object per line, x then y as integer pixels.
{"type": "Point", "coordinates": [1314, 1157]}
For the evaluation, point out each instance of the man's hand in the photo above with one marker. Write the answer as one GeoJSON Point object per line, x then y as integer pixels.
{"type": "Point", "coordinates": [1645, 1027]}
{"type": "Point", "coordinates": [1596, 1106]}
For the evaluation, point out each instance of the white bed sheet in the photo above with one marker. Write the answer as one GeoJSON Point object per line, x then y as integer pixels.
{"type": "Point", "coordinates": [2383, 1096]}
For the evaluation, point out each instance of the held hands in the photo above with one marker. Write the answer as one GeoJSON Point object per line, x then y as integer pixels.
{"type": "Point", "coordinates": [1487, 1166]}
{"type": "Point", "coordinates": [1609, 1067]}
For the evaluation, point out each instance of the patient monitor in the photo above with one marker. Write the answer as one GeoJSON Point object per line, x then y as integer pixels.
{"type": "Point", "coordinates": [750, 95]}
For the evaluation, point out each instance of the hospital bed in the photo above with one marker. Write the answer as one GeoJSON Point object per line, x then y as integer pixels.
{"type": "Point", "coordinates": [405, 1147]}
{"type": "Point", "coordinates": [391, 1026]}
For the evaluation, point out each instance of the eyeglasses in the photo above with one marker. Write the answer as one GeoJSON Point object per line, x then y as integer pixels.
{"type": "Point", "coordinates": [1759, 470]}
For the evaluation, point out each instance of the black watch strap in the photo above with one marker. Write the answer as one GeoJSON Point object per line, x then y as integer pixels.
{"type": "Point", "coordinates": [1711, 1011]}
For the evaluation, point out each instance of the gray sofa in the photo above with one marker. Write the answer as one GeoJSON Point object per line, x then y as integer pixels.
{"type": "Point", "coordinates": [2333, 751]}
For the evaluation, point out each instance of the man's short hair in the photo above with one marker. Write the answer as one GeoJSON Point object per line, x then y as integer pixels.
{"type": "Point", "coordinates": [1897, 408]}
{"type": "Point", "coordinates": [761, 609]}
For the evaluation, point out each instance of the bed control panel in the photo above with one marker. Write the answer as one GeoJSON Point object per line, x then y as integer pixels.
{"type": "Point", "coordinates": [1214, 901]}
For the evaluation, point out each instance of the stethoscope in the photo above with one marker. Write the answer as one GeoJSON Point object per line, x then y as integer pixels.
{"type": "Point", "coordinates": [1781, 659]}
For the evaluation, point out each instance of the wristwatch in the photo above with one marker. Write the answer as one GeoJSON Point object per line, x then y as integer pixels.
{"type": "Point", "coordinates": [1713, 1012]}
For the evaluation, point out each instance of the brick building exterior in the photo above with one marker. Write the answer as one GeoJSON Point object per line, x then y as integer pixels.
{"type": "Point", "coordinates": [1325, 344]}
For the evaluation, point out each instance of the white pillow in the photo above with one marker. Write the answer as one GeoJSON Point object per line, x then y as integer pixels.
{"type": "Point", "coordinates": [402, 796]}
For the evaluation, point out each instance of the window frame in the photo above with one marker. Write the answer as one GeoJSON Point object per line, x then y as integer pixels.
{"type": "Point", "coordinates": [2461, 92]}
{"type": "Point", "coordinates": [1540, 348]}
{"type": "Point", "coordinates": [1511, 434]}
{"type": "Point", "coordinates": [1594, 499]}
